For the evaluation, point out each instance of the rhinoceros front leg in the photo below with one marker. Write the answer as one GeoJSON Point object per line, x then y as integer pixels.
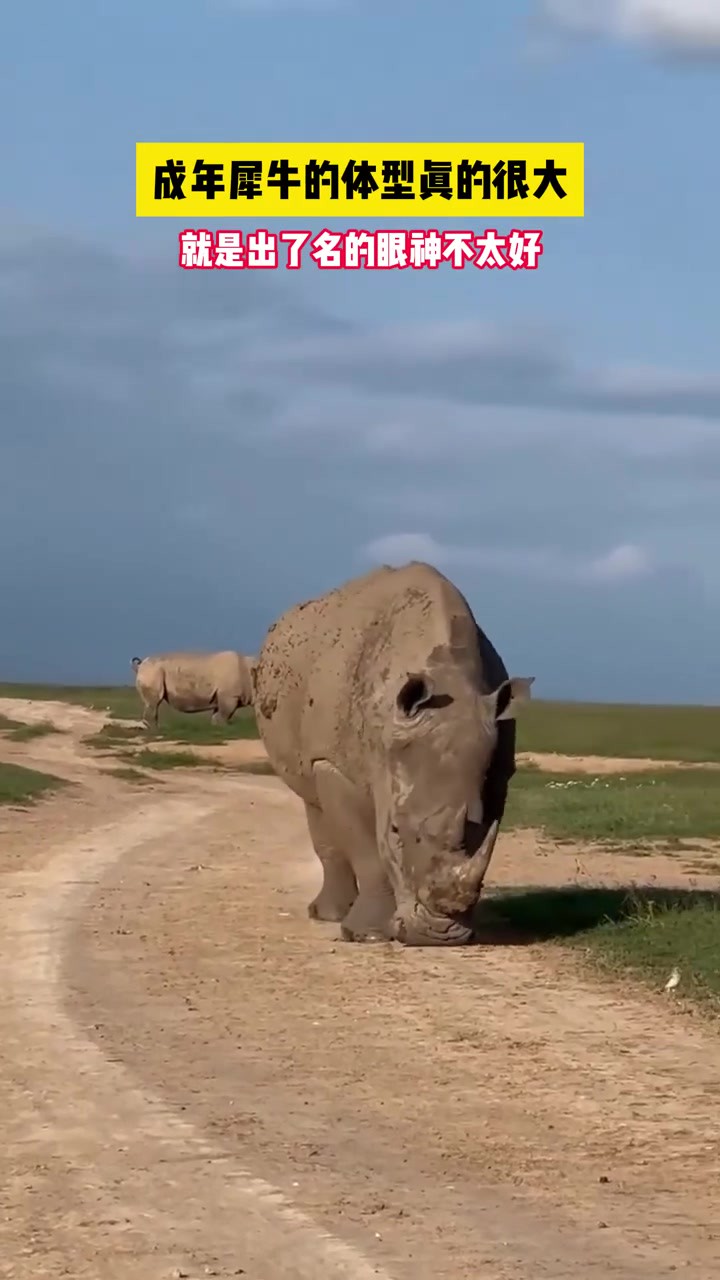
{"type": "Point", "coordinates": [339, 887]}
{"type": "Point", "coordinates": [350, 826]}
{"type": "Point", "coordinates": [151, 712]}
{"type": "Point", "coordinates": [225, 709]}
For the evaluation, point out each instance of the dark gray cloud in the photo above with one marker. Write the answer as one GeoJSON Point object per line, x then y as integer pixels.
{"type": "Point", "coordinates": [183, 456]}
{"type": "Point", "coordinates": [480, 364]}
{"type": "Point", "coordinates": [135, 489]}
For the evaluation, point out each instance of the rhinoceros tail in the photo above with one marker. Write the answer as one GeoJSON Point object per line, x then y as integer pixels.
{"type": "Point", "coordinates": [136, 663]}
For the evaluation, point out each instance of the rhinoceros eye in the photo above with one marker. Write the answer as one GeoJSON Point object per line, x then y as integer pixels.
{"type": "Point", "coordinates": [414, 695]}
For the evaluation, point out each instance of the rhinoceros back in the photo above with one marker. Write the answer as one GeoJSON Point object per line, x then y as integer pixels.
{"type": "Point", "coordinates": [323, 662]}
{"type": "Point", "coordinates": [303, 683]}
{"type": "Point", "coordinates": [192, 680]}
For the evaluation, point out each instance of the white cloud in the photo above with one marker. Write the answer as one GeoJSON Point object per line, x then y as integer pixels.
{"type": "Point", "coordinates": [636, 380]}
{"type": "Point", "coordinates": [398, 548]}
{"type": "Point", "coordinates": [621, 563]}
{"type": "Point", "coordinates": [682, 26]}
{"type": "Point", "coordinates": [627, 561]}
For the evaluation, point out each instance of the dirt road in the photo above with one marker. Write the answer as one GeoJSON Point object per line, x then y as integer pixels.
{"type": "Point", "coordinates": [198, 1080]}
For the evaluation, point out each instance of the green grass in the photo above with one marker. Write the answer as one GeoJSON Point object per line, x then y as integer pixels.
{"type": "Point", "coordinates": [128, 774]}
{"type": "Point", "coordinates": [19, 731]}
{"type": "Point", "coordinates": [570, 728]}
{"type": "Point", "coordinates": [199, 729]}
{"type": "Point", "coordinates": [114, 734]}
{"type": "Point", "coordinates": [28, 732]}
{"type": "Point", "coordinates": [643, 933]}
{"type": "Point", "coordinates": [24, 786]}
{"type": "Point", "coordinates": [670, 805]}
{"type": "Point", "coordinates": [123, 703]}
{"type": "Point", "coordinates": [626, 731]}
{"type": "Point", "coordinates": [7, 725]}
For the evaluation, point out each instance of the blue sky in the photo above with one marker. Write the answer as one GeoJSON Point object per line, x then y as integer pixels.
{"type": "Point", "coordinates": [184, 455]}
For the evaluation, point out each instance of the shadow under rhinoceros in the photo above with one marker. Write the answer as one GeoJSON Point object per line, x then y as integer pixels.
{"type": "Point", "coordinates": [522, 916]}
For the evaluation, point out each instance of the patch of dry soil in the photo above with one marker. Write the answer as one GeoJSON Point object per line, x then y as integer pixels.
{"type": "Point", "coordinates": [245, 751]}
{"type": "Point", "coordinates": [553, 762]}
{"type": "Point", "coordinates": [63, 753]}
{"type": "Point", "coordinates": [179, 1044]}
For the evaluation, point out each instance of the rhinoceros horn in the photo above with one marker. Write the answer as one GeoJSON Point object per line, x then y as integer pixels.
{"type": "Point", "coordinates": [471, 873]}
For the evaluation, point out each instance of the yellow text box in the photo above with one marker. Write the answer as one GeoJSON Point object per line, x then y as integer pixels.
{"type": "Point", "coordinates": [428, 180]}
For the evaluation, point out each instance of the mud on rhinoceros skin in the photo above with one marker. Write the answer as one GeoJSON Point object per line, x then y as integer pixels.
{"type": "Point", "coordinates": [392, 718]}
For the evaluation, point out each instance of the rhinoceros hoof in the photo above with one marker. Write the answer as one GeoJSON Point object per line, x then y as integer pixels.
{"type": "Point", "coordinates": [322, 911]}
{"type": "Point", "coordinates": [372, 935]}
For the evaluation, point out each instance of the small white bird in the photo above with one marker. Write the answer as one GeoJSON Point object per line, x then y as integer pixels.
{"type": "Point", "coordinates": [673, 980]}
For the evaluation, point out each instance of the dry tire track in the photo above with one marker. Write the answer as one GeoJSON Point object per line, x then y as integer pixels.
{"type": "Point", "coordinates": [110, 1182]}
{"type": "Point", "coordinates": [137, 1189]}
{"type": "Point", "coordinates": [351, 1069]}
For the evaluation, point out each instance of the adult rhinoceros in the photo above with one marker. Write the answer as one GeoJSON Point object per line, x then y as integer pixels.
{"type": "Point", "coordinates": [190, 682]}
{"type": "Point", "coordinates": [386, 709]}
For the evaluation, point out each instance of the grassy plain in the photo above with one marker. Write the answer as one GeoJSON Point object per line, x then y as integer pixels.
{"type": "Point", "coordinates": [569, 728]}
{"type": "Point", "coordinates": [623, 731]}
{"type": "Point", "coordinates": [669, 805]}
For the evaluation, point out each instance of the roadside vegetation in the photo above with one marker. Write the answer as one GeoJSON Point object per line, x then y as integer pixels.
{"type": "Point", "coordinates": [126, 773]}
{"type": "Point", "coordinates": [646, 933]}
{"type": "Point", "coordinates": [29, 732]}
{"type": "Point", "coordinates": [20, 786]}
{"type": "Point", "coordinates": [670, 805]}
{"type": "Point", "coordinates": [623, 731]}
{"type": "Point", "coordinates": [18, 731]}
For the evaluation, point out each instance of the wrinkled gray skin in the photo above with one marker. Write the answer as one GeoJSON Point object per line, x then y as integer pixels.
{"type": "Point", "coordinates": [387, 710]}
{"type": "Point", "coordinates": [191, 682]}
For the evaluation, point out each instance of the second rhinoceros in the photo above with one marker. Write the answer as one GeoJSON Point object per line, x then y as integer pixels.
{"type": "Point", "coordinates": [387, 710]}
{"type": "Point", "coordinates": [191, 682]}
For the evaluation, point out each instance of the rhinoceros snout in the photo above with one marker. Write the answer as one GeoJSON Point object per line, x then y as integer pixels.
{"type": "Point", "coordinates": [422, 930]}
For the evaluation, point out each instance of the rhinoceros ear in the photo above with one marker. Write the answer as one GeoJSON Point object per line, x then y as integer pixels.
{"type": "Point", "coordinates": [509, 697]}
{"type": "Point", "coordinates": [415, 694]}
